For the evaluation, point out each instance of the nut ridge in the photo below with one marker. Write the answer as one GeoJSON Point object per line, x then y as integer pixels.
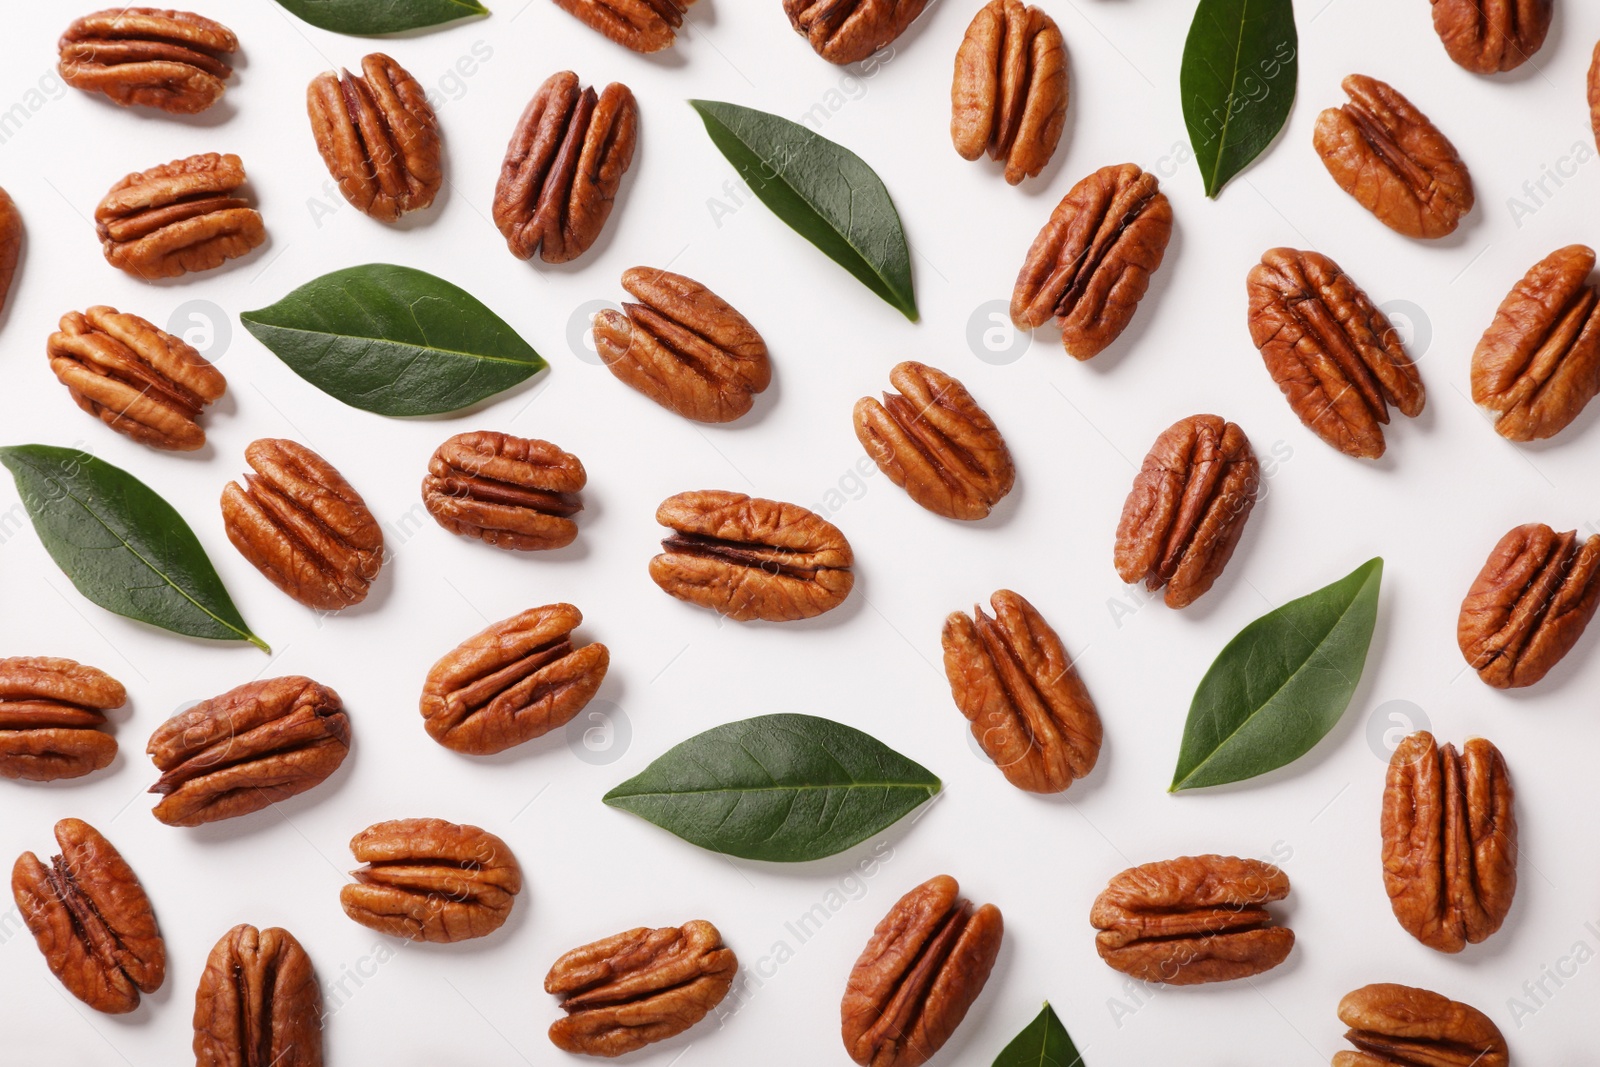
{"type": "Point", "coordinates": [378, 137]}
{"type": "Point", "coordinates": [510, 492]}
{"type": "Point", "coordinates": [1529, 604]}
{"type": "Point", "coordinates": [1009, 94]}
{"type": "Point", "coordinates": [172, 60]}
{"type": "Point", "coordinates": [182, 216]}
{"type": "Point", "coordinates": [50, 713]}
{"type": "Point", "coordinates": [431, 880]}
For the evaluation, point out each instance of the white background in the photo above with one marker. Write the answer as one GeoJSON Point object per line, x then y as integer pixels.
{"type": "Point", "coordinates": [1433, 507]}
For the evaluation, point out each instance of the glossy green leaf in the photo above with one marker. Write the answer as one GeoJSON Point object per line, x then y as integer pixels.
{"type": "Point", "coordinates": [1240, 65]}
{"type": "Point", "coordinates": [123, 546]}
{"type": "Point", "coordinates": [394, 340]}
{"type": "Point", "coordinates": [777, 787]}
{"type": "Point", "coordinates": [822, 190]}
{"type": "Point", "coordinates": [1042, 1043]}
{"type": "Point", "coordinates": [1281, 684]}
{"type": "Point", "coordinates": [366, 18]}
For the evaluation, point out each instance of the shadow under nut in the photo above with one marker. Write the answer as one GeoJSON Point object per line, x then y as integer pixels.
{"type": "Point", "coordinates": [431, 880]}
{"type": "Point", "coordinates": [51, 714]}
{"type": "Point", "coordinates": [258, 1003]}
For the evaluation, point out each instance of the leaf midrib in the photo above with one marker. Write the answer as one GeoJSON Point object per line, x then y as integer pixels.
{"type": "Point", "coordinates": [534, 363]}
{"type": "Point", "coordinates": [1222, 137]}
{"type": "Point", "coordinates": [928, 787]}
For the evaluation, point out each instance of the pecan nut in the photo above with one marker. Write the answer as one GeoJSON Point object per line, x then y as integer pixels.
{"type": "Point", "coordinates": [848, 31]}
{"type": "Point", "coordinates": [1192, 920]}
{"type": "Point", "coordinates": [378, 137]}
{"type": "Point", "coordinates": [641, 25]}
{"type": "Point", "coordinates": [91, 919]}
{"type": "Point", "coordinates": [50, 714]}
{"type": "Point", "coordinates": [1409, 1027]}
{"type": "Point", "coordinates": [926, 963]}
{"type": "Point", "coordinates": [1009, 94]}
{"type": "Point", "coordinates": [638, 987]}
{"type": "Point", "coordinates": [1490, 36]}
{"type": "Point", "coordinates": [1187, 508]}
{"type": "Point", "coordinates": [137, 379]}
{"type": "Point", "coordinates": [1335, 356]}
{"type": "Point", "coordinates": [1529, 604]}
{"type": "Point", "coordinates": [1091, 264]}
{"type": "Point", "coordinates": [247, 749]}
{"type": "Point", "coordinates": [172, 60]}
{"type": "Point", "coordinates": [1538, 364]}
{"type": "Point", "coordinates": [1594, 93]}
{"type": "Point", "coordinates": [303, 526]}
{"type": "Point", "coordinates": [1013, 680]}
{"type": "Point", "coordinates": [258, 1003]}
{"type": "Point", "coordinates": [515, 681]}
{"type": "Point", "coordinates": [935, 442]}
{"type": "Point", "coordinates": [510, 492]}
{"type": "Point", "coordinates": [10, 244]}
{"type": "Point", "coordinates": [182, 216]}
{"type": "Point", "coordinates": [431, 880]}
{"type": "Point", "coordinates": [1387, 155]}
{"type": "Point", "coordinates": [684, 347]}
{"type": "Point", "coordinates": [563, 168]}
{"type": "Point", "coordinates": [749, 558]}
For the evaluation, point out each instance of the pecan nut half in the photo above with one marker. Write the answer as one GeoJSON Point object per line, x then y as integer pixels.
{"type": "Point", "coordinates": [247, 749]}
{"type": "Point", "coordinates": [378, 137]}
{"type": "Point", "coordinates": [1490, 36]}
{"type": "Point", "coordinates": [431, 880]}
{"type": "Point", "coordinates": [515, 681]}
{"type": "Point", "coordinates": [638, 987]}
{"type": "Point", "coordinates": [1192, 920]}
{"type": "Point", "coordinates": [1187, 508]}
{"type": "Point", "coordinates": [1408, 1027]}
{"type": "Point", "coordinates": [1387, 155]}
{"type": "Point", "coordinates": [182, 216]}
{"type": "Point", "coordinates": [10, 244]}
{"type": "Point", "coordinates": [303, 526]}
{"type": "Point", "coordinates": [258, 1003]}
{"type": "Point", "coordinates": [172, 60]}
{"type": "Point", "coordinates": [1594, 93]}
{"type": "Point", "coordinates": [510, 492]}
{"type": "Point", "coordinates": [1009, 94]}
{"type": "Point", "coordinates": [1538, 364]}
{"type": "Point", "coordinates": [1012, 678]}
{"type": "Point", "coordinates": [1091, 264]}
{"type": "Point", "coordinates": [641, 25]}
{"type": "Point", "coordinates": [563, 168]}
{"type": "Point", "coordinates": [749, 558]}
{"type": "Point", "coordinates": [50, 714]}
{"type": "Point", "coordinates": [1335, 356]}
{"type": "Point", "coordinates": [926, 963]}
{"type": "Point", "coordinates": [848, 31]}
{"type": "Point", "coordinates": [91, 919]}
{"type": "Point", "coordinates": [684, 347]}
{"type": "Point", "coordinates": [1529, 604]}
{"type": "Point", "coordinates": [134, 377]}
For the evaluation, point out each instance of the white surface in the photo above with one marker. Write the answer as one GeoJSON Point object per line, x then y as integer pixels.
{"type": "Point", "coordinates": [1433, 507]}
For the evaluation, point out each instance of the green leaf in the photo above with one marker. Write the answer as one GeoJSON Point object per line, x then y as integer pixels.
{"type": "Point", "coordinates": [1240, 65]}
{"type": "Point", "coordinates": [394, 340]}
{"type": "Point", "coordinates": [1281, 684]}
{"type": "Point", "coordinates": [123, 546]}
{"type": "Point", "coordinates": [366, 18]}
{"type": "Point", "coordinates": [1042, 1043]}
{"type": "Point", "coordinates": [777, 787]}
{"type": "Point", "coordinates": [823, 191]}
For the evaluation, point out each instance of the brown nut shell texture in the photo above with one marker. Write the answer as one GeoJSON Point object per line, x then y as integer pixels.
{"type": "Point", "coordinates": [1337, 359]}
{"type": "Point", "coordinates": [431, 880]}
{"type": "Point", "coordinates": [848, 31]}
{"type": "Point", "coordinates": [258, 1003]}
{"type": "Point", "coordinates": [247, 749]}
{"type": "Point", "coordinates": [1192, 920]}
{"type": "Point", "coordinates": [1491, 36]}
{"type": "Point", "coordinates": [1402, 1026]}
{"type": "Point", "coordinates": [378, 136]}
{"type": "Point", "coordinates": [1594, 93]}
{"type": "Point", "coordinates": [638, 987]}
{"type": "Point", "coordinates": [641, 25]}
{"type": "Point", "coordinates": [183, 216]}
{"type": "Point", "coordinates": [510, 492]}
{"type": "Point", "coordinates": [1091, 264]}
{"type": "Point", "coordinates": [10, 244]}
{"type": "Point", "coordinates": [1009, 94]}
{"type": "Point", "coordinates": [172, 60]}
{"type": "Point", "coordinates": [515, 681]}
{"type": "Point", "coordinates": [51, 714]}
{"type": "Point", "coordinates": [91, 919]}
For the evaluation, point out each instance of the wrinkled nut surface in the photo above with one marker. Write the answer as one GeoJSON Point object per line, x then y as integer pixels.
{"type": "Point", "coordinates": [1386, 154]}
{"type": "Point", "coordinates": [1449, 841]}
{"type": "Point", "coordinates": [1337, 359]}
{"type": "Point", "coordinates": [1187, 508]}
{"type": "Point", "coordinates": [134, 377]}
{"type": "Point", "coordinates": [258, 1003]}
{"type": "Point", "coordinates": [303, 526]}
{"type": "Point", "coordinates": [749, 558]}
{"type": "Point", "coordinates": [1012, 678]}
{"type": "Point", "coordinates": [1490, 36]}
{"type": "Point", "coordinates": [10, 244]}
{"type": "Point", "coordinates": [431, 880]}
{"type": "Point", "coordinates": [563, 168]}
{"type": "Point", "coordinates": [1594, 93]}
{"type": "Point", "coordinates": [51, 711]}
{"type": "Point", "coordinates": [1401, 1026]}
{"type": "Point", "coordinates": [1538, 364]}
{"type": "Point", "coordinates": [91, 919]}
{"type": "Point", "coordinates": [684, 347]}
{"type": "Point", "coordinates": [1529, 604]}
{"type": "Point", "coordinates": [926, 963]}
{"type": "Point", "coordinates": [182, 216]}
{"type": "Point", "coordinates": [378, 137]}
{"type": "Point", "coordinates": [172, 60]}
{"type": "Point", "coordinates": [641, 25]}
{"type": "Point", "coordinates": [1091, 264]}
{"type": "Point", "coordinates": [638, 987]}
{"type": "Point", "coordinates": [515, 681]}
{"type": "Point", "coordinates": [510, 492]}
{"type": "Point", "coordinates": [1009, 94]}
{"type": "Point", "coordinates": [847, 31]}
{"type": "Point", "coordinates": [1192, 920]}
{"type": "Point", "coordinates": [247, 749]}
